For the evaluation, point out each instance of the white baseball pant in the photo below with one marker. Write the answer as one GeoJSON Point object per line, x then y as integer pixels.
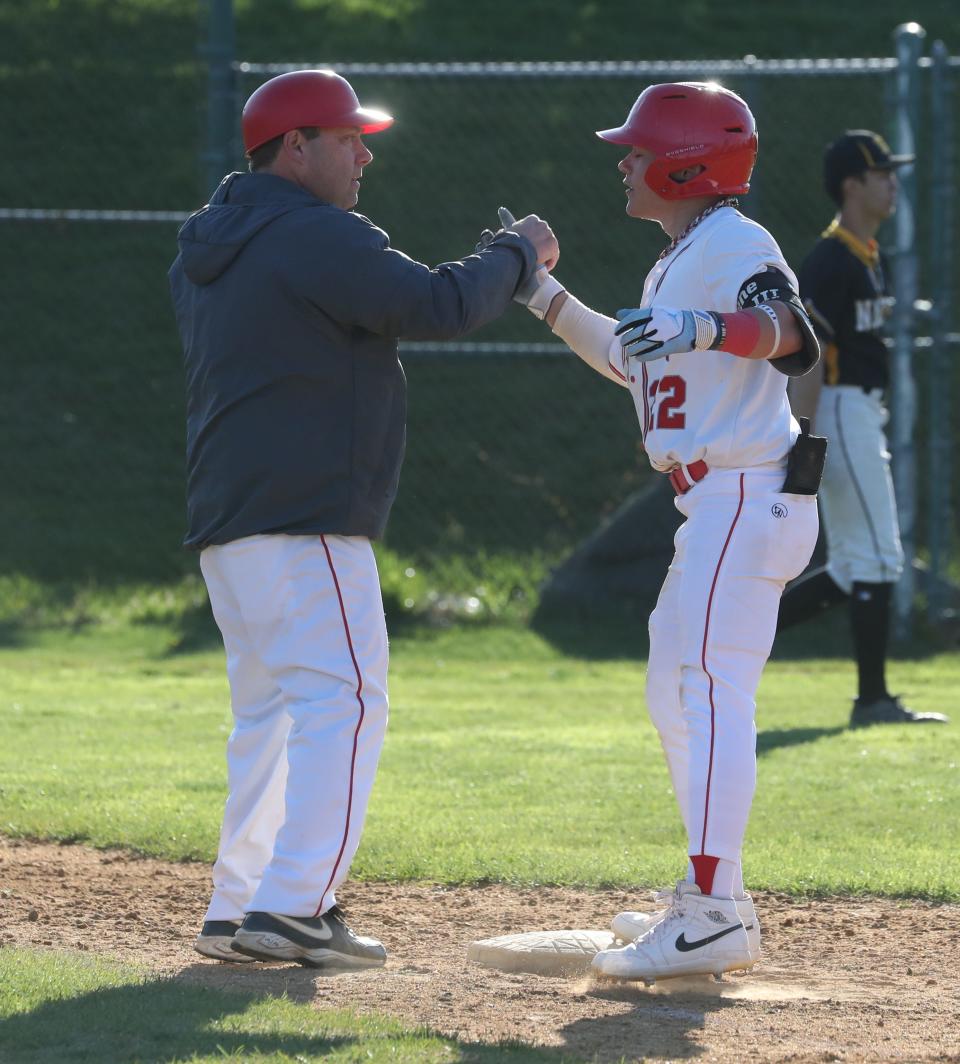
{"type": "Point", "coordinates": [710, 636]}
{"type": "Point", "coordinates": [306, 644]}
{"type": "Point", "coordinates": [856, 497]}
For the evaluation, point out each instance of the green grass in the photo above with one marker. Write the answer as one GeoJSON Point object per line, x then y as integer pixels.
{"type": "Point", "coordinates": [478, 587]}
{"type": "Point", "coordinates": [506, 759]}
{"type": "Point", "coordinates": [61, 1007]}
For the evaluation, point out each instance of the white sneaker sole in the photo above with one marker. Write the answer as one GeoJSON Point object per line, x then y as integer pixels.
{"type": "Point", "coordinates": [716, 969]}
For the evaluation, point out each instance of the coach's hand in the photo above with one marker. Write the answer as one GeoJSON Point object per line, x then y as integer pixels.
{"type": "Point", "coordinates": [649, 333]}
{"type": "Point", "coordinates": [538, 291]}
{"type": "Point", "coordinates": [537, 232]}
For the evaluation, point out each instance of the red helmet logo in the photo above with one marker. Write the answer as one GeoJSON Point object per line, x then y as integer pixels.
{"type": "Point", "coordinates": [305, 98]}
{"type": "Point", "coordinates": [688, 124]}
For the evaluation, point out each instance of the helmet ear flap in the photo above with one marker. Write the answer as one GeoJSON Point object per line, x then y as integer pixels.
{"type": "Point", "coordinates": [723, 174]}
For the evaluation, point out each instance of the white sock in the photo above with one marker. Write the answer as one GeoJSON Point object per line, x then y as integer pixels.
{"type": "Point", "coordinates": [725, 879]}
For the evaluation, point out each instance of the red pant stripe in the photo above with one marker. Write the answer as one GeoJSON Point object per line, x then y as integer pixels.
{"type": "Point", "coordinates": [356, 734]}
{"type": "Point", "coordinates": [703, 663]}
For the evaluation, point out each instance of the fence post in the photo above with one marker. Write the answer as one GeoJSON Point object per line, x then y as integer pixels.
{"type": "Point", "coordinates": [218, 154]}
{"type": "Point", "coordinates": [909, 42]}
{"type": "Point", "coordinates": [939, 364]}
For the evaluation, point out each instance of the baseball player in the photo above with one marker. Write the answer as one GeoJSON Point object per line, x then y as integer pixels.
{"type": "Point", "coordinates": [289, 307]}
{"type": "Point", "coordinates": [843, 283]}
{"type": "Point", "coordinates": [706, 359]}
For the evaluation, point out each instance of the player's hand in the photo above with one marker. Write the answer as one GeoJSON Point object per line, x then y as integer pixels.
{"type": "Point", "coordinates": [485, 238]}
{"type": "Point", "coordinates": [537, 232]}
{"type": "Point", "coordinates": [539, 289]}
{"type": "Point", "coordinates": [649, 333]}
{"type": "Point", "coordinates": [538, 292]}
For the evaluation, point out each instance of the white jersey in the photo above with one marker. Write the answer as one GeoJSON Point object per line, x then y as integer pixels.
{"type": "Point", "coordinates": [729, 411]}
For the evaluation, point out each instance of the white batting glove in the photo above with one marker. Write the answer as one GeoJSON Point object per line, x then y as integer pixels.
{"type": "Point", "coordinates": [649, 333]}
{"type": "Point", "coordinates": [538, 291]}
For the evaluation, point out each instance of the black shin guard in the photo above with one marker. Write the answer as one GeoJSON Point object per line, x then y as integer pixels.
{"type": "Point", "coordinates": [870, 625]}
{"type": "Point", "coordinates": [808, 596]}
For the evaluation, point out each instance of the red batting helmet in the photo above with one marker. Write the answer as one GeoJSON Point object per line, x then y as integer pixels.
{"type": "Point", "coordinates": [692, 124]}
{"type": "Point", "coordinates": [305, 98]}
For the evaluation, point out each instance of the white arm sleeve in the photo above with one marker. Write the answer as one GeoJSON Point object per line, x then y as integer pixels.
{"type": "Point", "coordinates": [590, 335]}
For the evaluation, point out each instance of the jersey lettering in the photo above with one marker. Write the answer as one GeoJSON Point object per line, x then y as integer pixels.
{"type": "Point", "coordinates": [667, 396]}
{"type": "Point", "coordinates": [870, 313]}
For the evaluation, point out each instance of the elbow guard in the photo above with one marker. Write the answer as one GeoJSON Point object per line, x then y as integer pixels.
{"type": "Point", "coordinates": [770, 286]}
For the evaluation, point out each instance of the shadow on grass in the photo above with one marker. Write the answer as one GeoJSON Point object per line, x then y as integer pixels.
{"type": "Point", "coordinates": [621, 633]}
{"type": "Point", "coordinates": [195, 630]}
{"type": "Point", "coordinates": [12, 635]}
{"type": "Point", "coordinates": [176, 1019]}
{"type": "Point", "coordinates": [777, 738]}
{"type": "Point", "coordinates": [614, 634]}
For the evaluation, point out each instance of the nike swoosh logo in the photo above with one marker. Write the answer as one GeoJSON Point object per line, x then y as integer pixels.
{"type": "Point", "coordinates": [685, 947]}
{"type": "Point", "coordinates": [308, 932]}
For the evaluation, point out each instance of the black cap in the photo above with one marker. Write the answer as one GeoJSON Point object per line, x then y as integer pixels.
{"type": "Point", "coordinates": [857, 151]}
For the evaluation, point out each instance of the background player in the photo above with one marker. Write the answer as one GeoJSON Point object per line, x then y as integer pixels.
{"type": "Point", "coordinates": [843, 283]}
{"type": "Point", "coordinates": [705, 360]}
{"type": "Point", "coordinates": [289, 308]}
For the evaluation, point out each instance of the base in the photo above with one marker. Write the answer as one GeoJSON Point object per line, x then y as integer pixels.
{"type": "Point", "coordinates": [566, 952]}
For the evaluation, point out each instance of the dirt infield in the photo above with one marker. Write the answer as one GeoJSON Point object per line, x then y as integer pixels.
{"type": "Point", "coordinates": [841, 979]}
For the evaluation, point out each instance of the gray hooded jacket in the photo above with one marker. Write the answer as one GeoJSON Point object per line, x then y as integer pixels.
{"type": "Point", "coordinates": [289, 311]}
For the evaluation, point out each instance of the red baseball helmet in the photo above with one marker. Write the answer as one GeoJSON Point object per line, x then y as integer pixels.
{"type": "Point", "coordinates": [305, 98]}
{"type": "Point", "coordinates": [687, 124]}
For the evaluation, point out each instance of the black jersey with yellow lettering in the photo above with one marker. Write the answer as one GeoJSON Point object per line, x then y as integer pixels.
{"type": "Point", "coordinates": [843, 286]}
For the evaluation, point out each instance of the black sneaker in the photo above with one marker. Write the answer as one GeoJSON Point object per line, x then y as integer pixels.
{"type": "Point", "coordinates": [215, 938]}
{"type": "Point", "coordinates": [314, 941]}
{"type": "Point", "coordinates": [890, 710]}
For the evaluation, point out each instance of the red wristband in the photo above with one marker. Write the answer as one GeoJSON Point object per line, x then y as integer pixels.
{"type": "Point", "coordinates": [738, 334]}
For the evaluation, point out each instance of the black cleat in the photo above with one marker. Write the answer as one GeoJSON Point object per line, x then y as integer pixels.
{"type": "Point", "coordinates": [215, 939]}
{"type": "Point", "coordinates": [890, 710]}
{"type": "Point", "coordinates": [314, 941]}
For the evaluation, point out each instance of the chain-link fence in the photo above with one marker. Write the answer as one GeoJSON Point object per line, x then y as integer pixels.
{"type": "Point", "coordinates": [513, 444]}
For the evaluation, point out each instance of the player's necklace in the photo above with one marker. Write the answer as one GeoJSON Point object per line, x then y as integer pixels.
{"type": "Point", "coordinates": [728, 201]}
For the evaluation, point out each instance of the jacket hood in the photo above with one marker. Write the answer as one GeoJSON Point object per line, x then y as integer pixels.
{"type": "Point", "coordinates": [242, 205]}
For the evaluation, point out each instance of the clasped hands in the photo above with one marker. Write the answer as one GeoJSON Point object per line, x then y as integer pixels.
{"type": "Point", "coordinates": [538, 291]}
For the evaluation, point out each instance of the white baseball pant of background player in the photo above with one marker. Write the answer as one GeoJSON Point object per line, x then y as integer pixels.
{"type": "Point", "coordinates": [306, 644]}
{"type": "Point", "coordinates": [857, 492]}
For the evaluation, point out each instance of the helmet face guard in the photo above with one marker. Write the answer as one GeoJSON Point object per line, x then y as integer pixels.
{"type": "Point", "coordinates": [691, 124]}
{"type": "Point", "coordinates": [305, 98]}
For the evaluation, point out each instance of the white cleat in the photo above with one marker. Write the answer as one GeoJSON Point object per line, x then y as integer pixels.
{"type": "Point", "coordinates": [696, 935]}
{"type": "Point", "coordinates": [629, 926]}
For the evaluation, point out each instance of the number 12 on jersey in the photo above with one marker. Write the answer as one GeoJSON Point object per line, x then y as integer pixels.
{"type": "Point", "coordinates": [667, 396]}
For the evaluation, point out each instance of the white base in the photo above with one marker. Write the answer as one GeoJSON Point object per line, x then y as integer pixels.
{"type": "Point", "coordinates": [566, 952]}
